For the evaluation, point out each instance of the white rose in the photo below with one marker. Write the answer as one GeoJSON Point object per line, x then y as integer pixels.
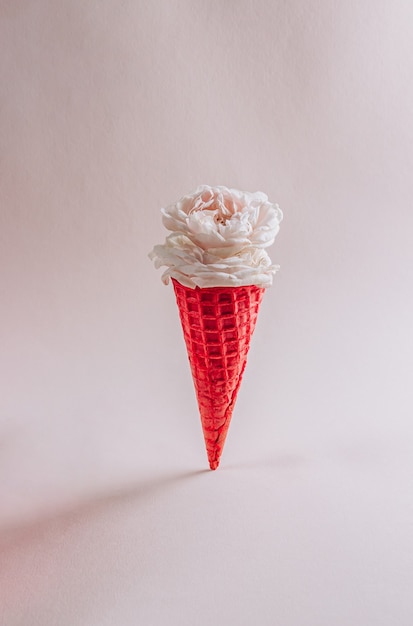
{"type": "Point", "coordinates": [218, 239]}
{"type": "Point", "coordinates": [224, 221]}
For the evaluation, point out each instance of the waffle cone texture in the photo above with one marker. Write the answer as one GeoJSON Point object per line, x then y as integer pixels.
{"type": "Point", "coordinates": [218, 323]}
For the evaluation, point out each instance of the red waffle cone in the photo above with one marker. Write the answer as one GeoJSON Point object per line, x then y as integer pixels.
{"type": "Point", "coordinates": [218, 323]}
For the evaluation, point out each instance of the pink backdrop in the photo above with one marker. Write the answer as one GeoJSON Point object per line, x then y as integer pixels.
{"type": "Point", "coordinates": [110, 110]}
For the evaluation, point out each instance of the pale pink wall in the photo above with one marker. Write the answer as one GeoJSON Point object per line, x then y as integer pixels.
{"type": "Point", "coordinates": [108, 111]}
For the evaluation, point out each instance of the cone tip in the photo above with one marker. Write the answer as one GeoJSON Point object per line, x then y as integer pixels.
{"type": "Point", "coordinates": [213, 464]}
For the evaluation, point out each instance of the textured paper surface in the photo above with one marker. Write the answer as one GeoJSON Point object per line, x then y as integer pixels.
{"type": "Point", "coordinates": [108, 111]}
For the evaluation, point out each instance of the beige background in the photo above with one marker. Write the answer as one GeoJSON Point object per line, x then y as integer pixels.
{"type": "Point", "coordinates": [110, 110]}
